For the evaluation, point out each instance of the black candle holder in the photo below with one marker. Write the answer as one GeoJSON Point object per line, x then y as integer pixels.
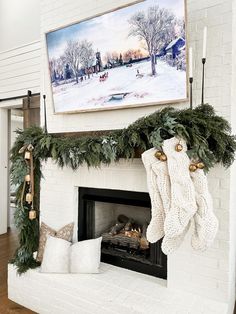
{"type": "Point", "coordinates": [45, 114]}
{"type": "Point", "coordinates": [191, 92]}
{"type": "Point", "coordinates": [203, 78]}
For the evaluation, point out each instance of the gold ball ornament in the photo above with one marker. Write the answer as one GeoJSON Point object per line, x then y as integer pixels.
{"type": "Point", "coordinates": [158, 154]}
{"type": "Point", "coordinates": [32, 214]}
{"type": "Point", "coordinates": [192, 167]}
{"type": "Point", "coordinates": [200, 165]}
{"type": "Point", "coordinates": [163, 157]}
{"type": "Point", "coordinates": [29, 198]}
{"type": "Point", "coordinates": [179, 147]}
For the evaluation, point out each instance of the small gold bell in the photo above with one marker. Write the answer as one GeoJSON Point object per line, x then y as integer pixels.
{"type": "Point", "coordinates": [32, 214]}
{"type": "Point", "coordinates": [200, 165]}
{"type": "Point", "coordinates": [179, 147]}
{"type": "Point", "coordinates": [192, 167]}
{"type": "Point", "coordinates": [27, 178]}
{"type": "Point", "coordinates": [158, 154]}
{"type": "Point", "coordinates": [27, 155]}
{"type": "Point", "coordinates": [29, 198]}
{"type": "Point", "coordinates": [30, 147]}
{"type": "Point", "coordinates": [163, 157]}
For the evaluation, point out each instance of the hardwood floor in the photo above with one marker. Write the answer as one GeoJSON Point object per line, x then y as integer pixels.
{"type": "Point", "coordinates": [8, 244]}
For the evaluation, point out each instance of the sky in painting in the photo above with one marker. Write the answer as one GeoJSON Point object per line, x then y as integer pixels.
{"type": "Point", "coordinates": [108, 32]}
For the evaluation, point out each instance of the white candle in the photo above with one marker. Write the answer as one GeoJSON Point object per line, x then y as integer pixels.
{"type": "Point", "coordinates": [190, 62]}
{"type": "Point", "coordinates": [204, 42]}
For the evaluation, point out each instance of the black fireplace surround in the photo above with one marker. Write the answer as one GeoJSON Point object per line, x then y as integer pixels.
{"type": "Point", "coordinates": [156, 265]}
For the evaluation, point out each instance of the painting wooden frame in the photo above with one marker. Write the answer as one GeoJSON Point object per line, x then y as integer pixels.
{"type": "Point", "coordinates": [122, 77]}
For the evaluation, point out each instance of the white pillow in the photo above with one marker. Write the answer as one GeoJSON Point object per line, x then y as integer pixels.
{"type": "Point", "coordinates": [85, 256]}
{"type": "Point", "coordinates": [56, 256]}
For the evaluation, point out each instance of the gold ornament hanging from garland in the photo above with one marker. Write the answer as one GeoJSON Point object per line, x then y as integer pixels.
{"type": "Point", "coordinates": [192, 167]}
{"type": "Point", "coordinates": [32, 214]}
{"type": "Point", "coordinates": [200, 165]}
{"type": "Point", "coordinates": [179, 147]}
{"type": "Point", "coordinates": [163, 157]}
{"type": "Point", "coordinates": [27, 178]}
{"type": "Point", "coordinates": [158, 154]}
{"type": "Point", "coordinates": [28, 191]}
{"type": "Point", "coordinates": [27, 155]}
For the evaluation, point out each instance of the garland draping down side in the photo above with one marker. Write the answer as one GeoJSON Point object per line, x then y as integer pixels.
{"type": "Point", "coordinates": [208, 137]}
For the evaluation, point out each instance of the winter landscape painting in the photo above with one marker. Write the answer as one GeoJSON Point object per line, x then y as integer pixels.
{"type": "Point", "coordinates": [133, 56]}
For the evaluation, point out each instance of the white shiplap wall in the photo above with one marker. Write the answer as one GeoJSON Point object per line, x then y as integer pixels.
{"type": "Point", "coordinates": [20, 70]}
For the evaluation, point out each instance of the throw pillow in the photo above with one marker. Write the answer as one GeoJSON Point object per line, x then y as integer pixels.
{"type": "Point", "coordinates": [65, 233]}
{"type": "Point", "coordinates": [85, 256]}
{"type": "Point", "coordinates": [56, 256]}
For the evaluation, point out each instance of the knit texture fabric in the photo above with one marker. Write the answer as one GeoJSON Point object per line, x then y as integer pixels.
{"type": "Point", "coordinates": [205, 222]}
{"type": "Point", "coordinates": [178, 198]}
{"type": "Point", "coordinates": [159, 187]}
{"type": "Point", "coordinates": [183, 204]}
{"type": "Point", "coordinates": [155, 230]}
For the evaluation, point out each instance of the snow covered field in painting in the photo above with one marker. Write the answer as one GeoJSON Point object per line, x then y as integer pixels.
{"type": "Point", "coordinates": [168, 84]}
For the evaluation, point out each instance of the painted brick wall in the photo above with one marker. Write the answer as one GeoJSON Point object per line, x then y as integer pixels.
{"type": "Point", "coordinates": [202, 273]}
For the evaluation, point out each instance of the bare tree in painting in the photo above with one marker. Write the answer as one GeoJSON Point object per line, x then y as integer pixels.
{"type": "Point", "coordinates": [87, 55]}
{"type": "Point", "coordinates": [181, 27]}
{"type": "Point", "coordinates": [53, 68]}
{"type": "Point", "coordinates": [152, 27]}
{"type": "Point", "coordinates": [72, 57]}
{"type": "Point", "coordinates": [60, 64]}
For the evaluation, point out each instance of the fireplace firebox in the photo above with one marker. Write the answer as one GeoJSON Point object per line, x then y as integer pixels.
{"type": "Point", "coordinates": [121, 218]}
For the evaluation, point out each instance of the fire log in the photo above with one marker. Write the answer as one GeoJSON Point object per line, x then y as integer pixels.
{"type": "Point", "coordinates": [144, 244]}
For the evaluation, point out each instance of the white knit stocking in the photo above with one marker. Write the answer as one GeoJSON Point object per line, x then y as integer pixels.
{"type": "Point", "coordinates": [155, 230]}
{"type": "Point", "coordinates": [160, 194]}
{"type": "Point", "coordinates": [171, 244]}
{"type": "Point", "coordinates": [205, 222]}
{"type": "Point", "coordinates": [164, 187]}
{"type": "Point", "coordinates": [183, 203]}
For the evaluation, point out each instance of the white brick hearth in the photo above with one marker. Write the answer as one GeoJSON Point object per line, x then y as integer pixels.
{"type": "Point", "coordinates": [115, 290]}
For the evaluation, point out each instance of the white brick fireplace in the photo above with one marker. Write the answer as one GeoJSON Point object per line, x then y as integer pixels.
{"type": "Point", "coordinates": [197, 282]}
{"type": "Point", "coordinates": [203, 273]}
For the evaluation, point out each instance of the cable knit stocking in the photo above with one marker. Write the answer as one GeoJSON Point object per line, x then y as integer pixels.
{"type": "Point", "coordinates": [205, 222]}
{"type": "Point", "coordinates": [164, 187]}
{"type": "Point", "coordinates": [155, 230]}
{"type": "Point", "coordinates": [183, 203]}
{"type": "Point", "coordinates": [171, 244]}
{"type": "Point", "coordinates": [160, 194]}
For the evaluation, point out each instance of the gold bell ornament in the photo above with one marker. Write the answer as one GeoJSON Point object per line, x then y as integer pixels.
{"type": "Point", "coordinates": [192, 167]}
{"type": "Point", "coordinates": [29, 198]}
{"type": "Point", "coordinates": [158, 154]}
{"type": "Point", "coordinates": [200, 165]}
{"type": "Point", "coordinates": [27, 178]}
{"type": "Point", "coordinates": [179, 147]}
{"type": "Point", "coordinates": [30, 147]}
{"type": "Point", "coordinates": [32, 214]}
{"type": "Point", "coordinates": [27, 155]}
{"type": "Point", "coordinates": [22, 149]}
{"type": "Point", "coordinates": [163, 157]}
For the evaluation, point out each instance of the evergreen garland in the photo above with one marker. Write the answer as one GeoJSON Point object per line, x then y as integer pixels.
{"type": "Point", "coordinates": [208, 137]}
